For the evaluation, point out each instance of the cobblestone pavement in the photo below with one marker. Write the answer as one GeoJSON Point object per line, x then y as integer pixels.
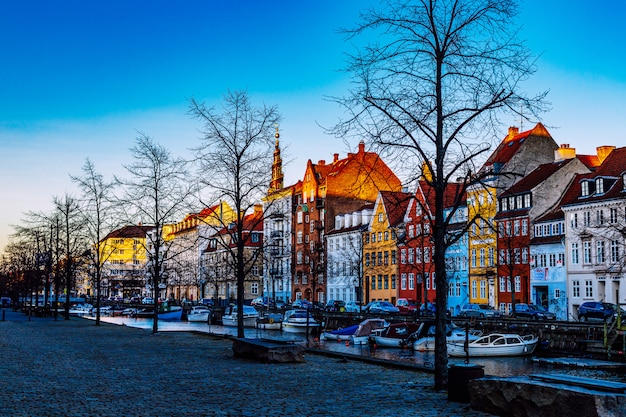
{"type": "Point", "coordinates": [75, 368]}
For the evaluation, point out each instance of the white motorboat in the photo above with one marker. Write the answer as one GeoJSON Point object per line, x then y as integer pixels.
{"type": "Point", "coordinates": [495, 344]}
{"type": "Point", "coordinates": [425, 336]}
{"type": "Point", "coordinates": [249, 316]}
{"type": "Point", "coordinates": [199, 314]}
{"type": "Point", "coordinates": [81, 309]}
{"type": "Point", "coordinates": [299, 321]}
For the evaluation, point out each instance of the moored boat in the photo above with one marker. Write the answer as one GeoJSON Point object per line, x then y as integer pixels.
{"type": "Point", "coordinates": [272, 321]}
{"type": "Point", "coordinates": [166, 312]}
{"type": "Point", "coordinates": [495, 344]}
{"type": "Point", "coordinates": [367, 328]}
{"type": "Point", "coordinates": [395, 335]}
{"type": "Point", "coordinates": [424, 339]}
{"type": "Point", "coordinates": [299, 321]}
{"type": "Point", "coordinates": [250, 315]}
{"type": "Point", "coordinates": [341, 334]}
{"type": "Point", "coordinates": [198, 314]}
{"type": "Point", "coordinates": [81, 309]}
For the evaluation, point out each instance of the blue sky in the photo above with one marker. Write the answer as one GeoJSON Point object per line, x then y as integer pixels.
{"type": "Point", "coordinates": [79, 78]}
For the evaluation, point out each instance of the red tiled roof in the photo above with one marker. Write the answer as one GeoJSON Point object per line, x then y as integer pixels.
{"type": "Point", "coordinates": [509, 145]}
{"type": "Point", "coordinates": [395, 204]}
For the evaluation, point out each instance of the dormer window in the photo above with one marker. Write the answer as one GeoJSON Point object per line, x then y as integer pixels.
{"type": "Point", "coordinates": [584, 188]}
{"type": "Point", "coordinates": [624, 181]}
{"type": "Point", "coordinates": [599, 185]}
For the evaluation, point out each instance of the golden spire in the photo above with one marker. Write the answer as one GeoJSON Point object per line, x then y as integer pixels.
{"type": "Point", "coordinates": [276, 182]}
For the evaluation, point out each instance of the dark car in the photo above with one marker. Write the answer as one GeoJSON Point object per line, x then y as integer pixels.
{"type": "Point", "coordinates": [335, 306]}
{"type": "Point", "coordinates": [302, 304]}
{"type": "Point", "coordinates": [532, 311]}
{"type": "Point", "coordinates": [597, 310]}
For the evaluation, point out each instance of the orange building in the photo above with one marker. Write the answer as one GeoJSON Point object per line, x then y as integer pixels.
{"type": "Point", "coordinates": [342, 186]}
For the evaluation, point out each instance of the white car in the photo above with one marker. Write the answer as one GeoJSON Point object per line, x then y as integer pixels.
{"type": "Point", "coordinates": [147, 300]}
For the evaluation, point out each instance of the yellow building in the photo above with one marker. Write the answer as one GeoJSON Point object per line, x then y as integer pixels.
{"type": "Point", "coordinates": [123, 255]}
{"type": "Point", "coordinates": [380, 247]}
{"type": "Point", "coordinates": [517, 155]}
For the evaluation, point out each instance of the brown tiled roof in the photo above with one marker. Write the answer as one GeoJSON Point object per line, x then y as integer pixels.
{"type": "Point", "coordinates": [540, 174]}
{"type": "Point", "coordinates": [613, 167]}
{"type": "Point", "coordinates": [128, 232]}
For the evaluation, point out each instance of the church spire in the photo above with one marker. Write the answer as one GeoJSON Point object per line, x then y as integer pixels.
{"type": "Point", "coordinates": [277, 167]}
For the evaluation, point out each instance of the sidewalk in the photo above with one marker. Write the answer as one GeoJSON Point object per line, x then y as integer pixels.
{"type": "Point", "coordinates": [75, 368]}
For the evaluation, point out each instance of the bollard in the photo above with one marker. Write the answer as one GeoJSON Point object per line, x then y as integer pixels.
{"type": "Point", "coordinates": [459, 377]}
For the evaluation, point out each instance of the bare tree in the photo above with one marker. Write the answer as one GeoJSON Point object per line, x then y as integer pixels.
{"type": "Point", "coordinates": [235, 157]}
{"type": "Point", "coordinates": [96, 208]}
{"type": "Point", "coordinates": [73, 242]}
{"type": "Point", "coordinates": [157, 193]}
{"type": "Point", "coordinates": [430, 90]}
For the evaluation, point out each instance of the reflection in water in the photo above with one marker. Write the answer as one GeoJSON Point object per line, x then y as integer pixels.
{"type": "Point", "coordinates": [501, 366]}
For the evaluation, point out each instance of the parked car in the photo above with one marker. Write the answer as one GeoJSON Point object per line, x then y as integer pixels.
{"type": "Point", "coordinates": [532, 311]}
{"type": "Point", "coordinates": [263, 302]}
{"type": "Point", "coordinates": [597, 310]}
{"type": "Point", "coordinates": [381, 307]}
{"type": "Point", "coordinates": [335, 306]}
{"type": "Point", "coordinates": [353, 307]}
{"type": "Point", "coordinates": [302, 304]}
{"type": "Point", "coordinates": [406, 306]}
{"type": "Point", "coordinates": [147, 300]}
{"type": "Point", "coordinates": [479, 310]}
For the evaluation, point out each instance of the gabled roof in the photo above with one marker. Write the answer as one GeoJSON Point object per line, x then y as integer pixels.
{"type": "Point", "coordinates": [395, 204]}
{"type": "Point", "coordinates": [426, 195]}
{"type": "Point", "coordinates": [128, 232]}
{"type": "Point", "coordinates": [511, 144]}
{"type": "Point", "coordinates": [613, 168]}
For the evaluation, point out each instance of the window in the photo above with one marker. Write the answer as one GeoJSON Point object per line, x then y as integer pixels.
{"type": "Point", "coordinates": [588, 288]}
{"type": "Point", "coordinates": [518, 284]}
{"type": "Point", "coordinates": [403, 256]}
{"type": "Point", "coordinates": [380, 217]}
{"type": "Point", "coordinates": [524, 227]}
{"type": "Point", "coordinates": [427, 255]}
{"type": "Point", "coordinates": [386, 281]}
{"type": "Point", "coordinates": [299, 217]}
{"type": "Point", "coordinates": [474, 258]}
{"type": "Point", "coordinates": [367, 259]}
{"type": "Point", "coordinates": [386, 258]}
{"type": "Point", "coordinates": [516, 256]}
{"type": "Point", "coordinates": [373, 286]}
{"type": "Point", "coordinates": [474, 290]}
{"type": "Point", "coordinates": [386, 236]}
{"type": "Point", "coordinates": [483, 289]}
{"type": "Point", "coordinates": [524, 255]}
{"type": "Point", "coordinates": [587, 218]}
{"type": "Point", "coordinates": [574, 220]}
{"type": "Point", "coordinates": [254, 288]}
{"type": "Point", "coordinates": [403, 281]}
{"type": "Point", "coordinates": [575, 258]}
{"type": "Point", "coordinates": [427, 280]}
{"type": "Point", "coordinates": [502, 284]}
{"type": "Point", "coordinates": [613, 215]}
{"type": "Point", "coordinates": [600, 217]}
{"type": "Point", "coordinates": [586, 252]}
{"type": "Point", "coordinates": [482, 256]}
{"type": "Point", "coordinates": [552, 259]}
{"type": "Point", "coordinates": [299, 236]}
{"type": "Point", "coordinates": [561, 261]}
{"type": "Point", "coordinates": [600, 255]}
{"type": "Point", "coordinates": [380, 258]}
{"type": "Point", "coordinates": [614, 251]}
{"type": "Point", "coordinates": [411, 258]}
{"type": "Point", "coordinates": [491, 257]}
{"type": "Point", "coordinates": [599, 185]}
{"type": "Point", "coordinates": [411, 231]}
{"type": "Point", "coordinates": [575, 288]}
{"type": "Point", "coordinates": [434, 281]}
{"type": "Point", "coordinates": [557, 293]}
{"type": "Point", "coordinates": [516, 228]}
{"type": "Point", "coordinates": [527, 200]}
{"type": "Point", "coordinates": [584, 188]}
{"type": "Point", "coordinates": [393, 281]}
{"type": "Point", "coordinates": [393, 257]}
{"type": "Point", "coordinates": [380, 282]}
{"type": "Point", "coordinates": [380, 236]}
{"type": "Point", "coordinates": [373, 237]}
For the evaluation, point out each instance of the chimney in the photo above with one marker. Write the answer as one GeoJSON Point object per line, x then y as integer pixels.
{"type": "Point", "coordinates": [335, 157]}
{"type": "Point", "coordinates": [564, 152]}
{"type": "Point", "coordinates": [321, 162]}
{"type": "Point", "coordinates": [603, 152]}
{"type": "Point", "coordinates": [513, 131]}
{"type": "Point", "coordinates": [361, 147]}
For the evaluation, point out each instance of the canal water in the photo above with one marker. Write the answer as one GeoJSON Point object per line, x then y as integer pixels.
{"type": "Point", "coordinates": [502, 366]}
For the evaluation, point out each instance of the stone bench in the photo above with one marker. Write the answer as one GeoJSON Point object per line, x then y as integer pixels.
{"type": "Point", "coordinates": [268, 351]}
